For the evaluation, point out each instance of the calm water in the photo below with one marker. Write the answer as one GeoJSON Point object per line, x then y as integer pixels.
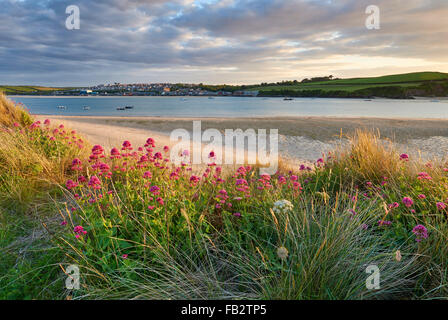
{"type": "Point", "coordinates": [234, 107]}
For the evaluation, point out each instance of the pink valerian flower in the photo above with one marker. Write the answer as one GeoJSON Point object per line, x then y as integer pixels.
{"type": "Point", "coordinates": [155, 190]}
{"type": "Point", "coordinates": [97, 150]}
{"type": "Point", "coordinates": [126, 145]}
{"type": "Point", "coordinates": [158, 155]}
{"type": "Point", "coordinates": [421, 196]}
{"type": "Point", "coordinates": [194, 180]}
{"type": "Point", "coordinates": [104, 167]}
{"type": "Point", "coordinates": [115, 153]}
{"type": "Point", "coordinates": [166, 149]}
{"type": "Point", "coordinates": [70, 184]}
{"type": "Point", "coordinates": [423, 176]}
{"type": "Point", "coordinates": [384, 223]}
{"type": "Point", "coordinates": [407, 202]}
{"type": "Point", "coordinates": [237, 214]}
{"type": "Point", "coordinates": [151, 207]}
{"type": "Point", "coordinates": [160, 201]}
{"type": "Point", "coordinates": [47, 122]}
{"type": "Point", "coordinates": [94, 182]}
{"type": "Point", "coordinates": [320, 162]}
{"type": "Point", "coordinates": [212, 155]}
{"type": "Point", "coordinates": [35, 125]}
{"type": "Point", "coordinates": [63, 223]}
{"type": "Point", "coordinates": [420, 232]}
{"type": "Point", "coordinates": [79, 231]}
{"type": "Point", "coordinates": [404, 157]}
{"type": "Point", "coordinates": [124, 256]}
{"type": "Point", "coordinates": [364, 226]}
{"type": "Point", "coordinates": [394, 205]}
{"type": "Point", "coordinates": [281, 180]}
{"type": "Point", "coordinates": [150, 143]}
{"type": "Point", "coordinates": [440, 206]}
{"type": "Point", "coordinates": [147, 175]}
{"type": "Point", "coordinates": [76, 164]}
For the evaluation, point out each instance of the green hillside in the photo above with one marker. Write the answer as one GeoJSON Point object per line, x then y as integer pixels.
{"type": "Point", "coordinates": [391, 86]}
{"type": "Point", "coordinates": [38, 90]}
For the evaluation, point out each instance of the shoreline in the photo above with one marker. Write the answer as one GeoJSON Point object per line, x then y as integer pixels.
{"type": "Point", "coordinates": [206, 96]}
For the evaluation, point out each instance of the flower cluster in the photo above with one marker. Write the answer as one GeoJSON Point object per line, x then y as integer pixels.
{"type": "Point", "coordinates": [282, 206]}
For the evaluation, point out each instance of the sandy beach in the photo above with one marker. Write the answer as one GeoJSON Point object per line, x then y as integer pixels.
{"type": "Point", "coordinates": [301, 138]}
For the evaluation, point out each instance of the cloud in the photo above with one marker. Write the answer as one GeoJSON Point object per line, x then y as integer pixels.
{"type": "Point", "coordinates": [227, 41]}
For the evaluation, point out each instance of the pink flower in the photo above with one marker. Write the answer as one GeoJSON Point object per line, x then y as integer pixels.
{"type": "Point", "coordinates": [384, 223]}
{"type": "Point", "coordinates": [394, 205]}
{"type": "Point", "coordinates": [160, 201]}
{"type": "Point", "coordinates": [237, 214]}
{"type": "Point", "coordinates": [124, 256]}
{"type": "Point", "coordinates": [421, 196]}
{"type": "Point", "coordinates": [97, 149]}
{"type": "Point", "coordinates": [150, 142]}
{"type": "Point", "coordinates": [79, 230]}
{"type": "Point", "coordinates": [63, 223]}
{"type": "Point", "coordinates": [115, 152]}
{"type": "Point", "coordinates": [147, 175]}
{"type": "Point", "coordinates": [404, 157]}
{"type": "Point", "coordinates": [194, 179]}
{"type": "Point", "coordinates": [407, 202]}
{"type": "Point", "coordinates": [70, 184]}
{"type": "Point", "coordinates": [423, 176]}
{"type": "Point", "coordinates": [420, 232]}
{"type": "Point", "coordinates": [94, 182]}
{"type": "Point", "coordinates": [155, 190]}
{"type": "Point", "coordinates": [166, 148]}
{"type": "Point", "coordinates": [47, 122]}
{"type": "Point", "coordinates": [441, 205]}
{"type": "Point", "coordinates": [126, 145]}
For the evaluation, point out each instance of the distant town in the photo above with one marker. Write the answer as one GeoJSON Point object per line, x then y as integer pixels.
{"type": "Point", "coordinates": [152, 89]}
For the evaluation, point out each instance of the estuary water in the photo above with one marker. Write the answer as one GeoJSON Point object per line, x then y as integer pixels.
{"type": "Point", "coordinates": [238, 107]}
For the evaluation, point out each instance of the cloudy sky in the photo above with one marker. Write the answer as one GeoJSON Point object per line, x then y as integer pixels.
{"type": "Point", "coordinates": [217, 41]}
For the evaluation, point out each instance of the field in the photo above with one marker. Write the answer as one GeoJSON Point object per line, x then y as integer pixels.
{"type": "Point", "coordinates": [363, 86]}
{"type": "Point", "coordinates": [38, 90]}
{"type": "Point", "coordinates": [139, 227]}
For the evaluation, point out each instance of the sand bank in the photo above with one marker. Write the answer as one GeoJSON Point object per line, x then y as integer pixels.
{"type": "Point", "coordinates": [304, 138]}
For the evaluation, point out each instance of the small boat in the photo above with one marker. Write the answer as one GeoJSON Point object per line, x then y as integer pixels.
{"type": "Point", "coordinates": [62, 107]}
{"type": "Point", "coordinates": [121, 108]}
{"type": "Point", "coordinates": [129, 107]}
{"type": "Point", "coordinates": [288, 99]}
{"type": "Point", "coordinates": [86, 108]}
{"type": "Point", "coordinates": [211, 98]}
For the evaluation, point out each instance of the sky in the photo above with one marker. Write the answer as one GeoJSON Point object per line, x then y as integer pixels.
{"type": "Point", "coordinates": [217, 41]}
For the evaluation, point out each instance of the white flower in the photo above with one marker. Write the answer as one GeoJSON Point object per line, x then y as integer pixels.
{"type": "Point", "coordinates": [282, 206]}
{"type": "Point", "coordinates": [282, 253]}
